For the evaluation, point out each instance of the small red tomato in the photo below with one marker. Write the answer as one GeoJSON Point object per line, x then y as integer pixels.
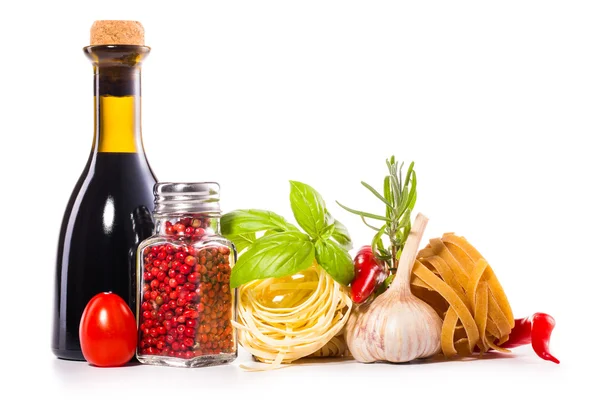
{"type": "Point", "coordinates": [107, 331]}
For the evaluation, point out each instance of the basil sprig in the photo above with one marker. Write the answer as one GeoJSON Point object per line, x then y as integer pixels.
{"type": "Point", "coordinates": [283, 249]}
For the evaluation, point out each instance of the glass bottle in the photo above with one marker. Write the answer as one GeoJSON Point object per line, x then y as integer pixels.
{"type": "Point", "coordinates": [185, 304]}
{"type": "Point", "coordinates": [108, 213]}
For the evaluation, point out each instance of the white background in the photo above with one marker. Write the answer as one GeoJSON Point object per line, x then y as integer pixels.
{"type": "Point", "coordinates": [496, 102]}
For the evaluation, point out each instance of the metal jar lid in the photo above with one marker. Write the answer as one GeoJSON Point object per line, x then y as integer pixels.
{"type": "Point", "coordinates": [186, 198]}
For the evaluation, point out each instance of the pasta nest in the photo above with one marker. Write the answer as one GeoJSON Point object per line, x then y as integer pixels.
{"type": "Point", "coordinates": [281, 320]}
{"type": "Point", "coordinates": [453, 277]}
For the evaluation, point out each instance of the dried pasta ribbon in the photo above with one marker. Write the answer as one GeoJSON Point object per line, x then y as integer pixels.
{"type": "Point", "coordinates": [500, 296]}
{"type": "Point", "coordinates": [462, 347]}
{"type": "Point", "coordinates": [476, 275]}
{"type": "Point", "coordinates": [447, 275]}
{"type": "Point", "coordinates": [503, 340]}
{"type": "Point", "coordinates": [448, 328]}
{"type": "Point", "coordinates": [336, 347]}
{"type": "Point", "coordinates": [452, 298]}
{"type": "Point", "coordinates": [481, 309]}
{"type": "Point", "coordinates": [475, 255]}
{"type": "Point", "coordinates": [492, 327]}
{"type": "Point", "coordinates": [419, 282]}
{"type": "Point", "coordinates": [498, 317]}
{"type": "Point", "coordinates": [441, 250]}
{"type": "Point", "coordinates": [456, 280]}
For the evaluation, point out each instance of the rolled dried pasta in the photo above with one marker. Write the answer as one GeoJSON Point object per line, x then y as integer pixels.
{"type": "Point", "coordinates": [452, 277]}
{"type": "Point", "coordinates": [281, 320]}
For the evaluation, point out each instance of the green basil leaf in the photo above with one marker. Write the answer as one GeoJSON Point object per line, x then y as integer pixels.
{"type": "Point", "coordinates": [341, 235]}
{"type": "Point", "coordinates": [335, 261]}
{"type": "Point", "coordinates": [274, 256]}
{"type": "Point", "coordinates": [327, 232]}
{"type": "Point", "coordinates": [309, 209]}
{"type": "Point", "coordinates": [243, 241]}
{"type": "Point", "coordinates": [251, 221]}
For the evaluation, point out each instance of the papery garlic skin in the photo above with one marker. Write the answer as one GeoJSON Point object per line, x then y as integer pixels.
{"type": "Point", "coordinates": [396, 326]}
{"type": "Point", "coordinates": [388, 330]}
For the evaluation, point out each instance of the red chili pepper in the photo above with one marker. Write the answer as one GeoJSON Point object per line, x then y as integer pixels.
{"type": "Point", "coordinates": [368, 273]}
{"type": "Point", "coordinates": [536, 330]}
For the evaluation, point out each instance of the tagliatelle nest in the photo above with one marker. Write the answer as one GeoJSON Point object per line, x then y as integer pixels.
{"type": "Point", "coordinates": [336, 347]}
{"type": "Point", "coordinates": [452, 276]}
{"type": "Point", "coordinates": [281, 320]}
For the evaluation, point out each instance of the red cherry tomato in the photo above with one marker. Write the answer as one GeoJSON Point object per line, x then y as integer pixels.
{"type": "Point", "coordinates": [107, 331]}
{"type": "Point", "coordinates": [367, 275]}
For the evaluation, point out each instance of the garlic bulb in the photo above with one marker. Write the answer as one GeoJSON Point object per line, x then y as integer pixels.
{"type": "Point", "coordinates": [396, 326]}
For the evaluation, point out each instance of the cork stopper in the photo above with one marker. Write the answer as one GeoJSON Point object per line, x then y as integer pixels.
{"type": "Point", "coordinates": [117, 32]}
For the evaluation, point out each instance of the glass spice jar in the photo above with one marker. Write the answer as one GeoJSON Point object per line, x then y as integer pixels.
{"type": "Point", "coordinates": [185, 304]}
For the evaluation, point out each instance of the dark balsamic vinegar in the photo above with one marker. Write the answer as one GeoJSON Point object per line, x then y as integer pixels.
{"type": "Point", "coordinates": [109, 212]}
{"type": "Point", "coordinates": [108, 215]}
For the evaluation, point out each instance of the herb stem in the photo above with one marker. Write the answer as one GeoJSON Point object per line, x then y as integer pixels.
{"type": "Point", "coordinates": [399, 197]}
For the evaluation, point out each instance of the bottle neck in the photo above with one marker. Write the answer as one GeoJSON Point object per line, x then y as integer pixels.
{"type": "Point", "coordinates": [117, 98]}
{"type": "Point", "coordinates": [117, 116]}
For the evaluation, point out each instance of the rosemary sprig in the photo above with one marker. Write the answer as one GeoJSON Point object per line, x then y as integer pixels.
{"type": "Point", "coordinates": [399, 197]}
